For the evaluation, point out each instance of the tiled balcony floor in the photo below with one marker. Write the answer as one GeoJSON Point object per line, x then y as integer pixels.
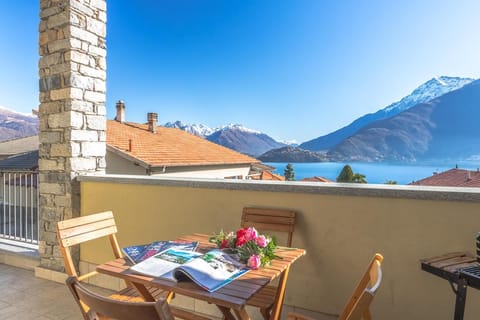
{"type": "Point", "coordinates": [23, 296]}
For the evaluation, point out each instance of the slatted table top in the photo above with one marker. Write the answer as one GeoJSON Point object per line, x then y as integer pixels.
{"type": "Point", "coordinates": [448, 266]}
{"type": "Point", "coordinates": [233, 295]}
{"type": "Point", "coordinates": [461, 269]}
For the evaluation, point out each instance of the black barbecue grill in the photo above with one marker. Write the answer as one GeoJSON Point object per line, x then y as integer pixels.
{"type": "Point", "coordinates": [461, 270]}
{"type": "Point", "coordinates": [472, 275]}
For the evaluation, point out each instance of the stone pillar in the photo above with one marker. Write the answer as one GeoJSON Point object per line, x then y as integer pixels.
{"type": "Point", "coordinates": [72, 70]}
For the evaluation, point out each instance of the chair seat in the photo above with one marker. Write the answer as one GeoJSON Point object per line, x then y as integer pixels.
{"type": "Point", "coordinates": [130, 294]}
{"type": "Point", "coordinates": [263, 299]}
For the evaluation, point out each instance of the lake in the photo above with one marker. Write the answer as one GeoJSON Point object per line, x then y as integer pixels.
{"type": "Point", "coordinates": [374, 172]}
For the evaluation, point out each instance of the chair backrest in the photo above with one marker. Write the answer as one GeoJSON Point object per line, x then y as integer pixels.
{"type": "Point", "coordinates": [267, 219]}
{"type": "Point", "coordinates": [101, 307]}
{"type": "Point", "coordinates": [358, 305]}
{"type": "Point", "coordinates": [75, 231]}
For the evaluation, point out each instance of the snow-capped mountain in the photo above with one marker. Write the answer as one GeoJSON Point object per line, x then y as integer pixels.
{"type": "Point", "coordinates": [244, 140]}
{"type": "Point", "coordinates": [16, 125]}
{"type": "Point", "coordinates": [445, 127]}
{"type": "Point", "coordinates": [233, 136]}
{"type": "Point", "coordinates": [196, 129]}
{"type": "Point", "coordinates": [431, 89]}
{"type": "Point", "coordinates": [237, 126]}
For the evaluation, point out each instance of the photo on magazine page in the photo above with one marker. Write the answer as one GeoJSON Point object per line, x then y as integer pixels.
{"type": "Point", "coordinates": [163, 263]}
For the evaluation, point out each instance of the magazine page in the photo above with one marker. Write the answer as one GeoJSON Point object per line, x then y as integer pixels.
{"type": "Point", "coordinates": [162, 264]}
{"type": "Point", "coordinates": [211, 271]}
{"type": "Point", "coordinates": [139, 253]}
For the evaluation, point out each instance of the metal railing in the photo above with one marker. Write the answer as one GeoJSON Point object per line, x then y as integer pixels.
{"type": "Point", "coordinates": [19, 206]}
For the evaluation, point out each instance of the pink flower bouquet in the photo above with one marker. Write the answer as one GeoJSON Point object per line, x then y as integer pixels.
{"type": "Point", "coordinates": [253, 249]}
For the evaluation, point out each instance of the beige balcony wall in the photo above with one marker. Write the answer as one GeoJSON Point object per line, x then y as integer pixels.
{"type": "Point", "coordinates": [340, 226]}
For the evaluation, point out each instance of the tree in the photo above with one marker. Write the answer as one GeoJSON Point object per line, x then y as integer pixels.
{"type": "Point", "coordinates": [347, 175]}
{"type": "Point", "coordinates": [359, 178]}
{"type": "Point", "coordinates": [289, 173]}
{"type": "Point", "coordinates": [390, 182]}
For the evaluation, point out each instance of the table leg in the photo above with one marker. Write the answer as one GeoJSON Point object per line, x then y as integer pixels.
{"type": "Point", "coordinates": [242, 314]}
{"type": "Point", "coordinates": [226, 313]}
{"type": "Point", "coordinates": [143, 291]}
{"type": "Point", "coordinates": [461, 294]}
{"type": "Point", "coordinates": [277, 306]}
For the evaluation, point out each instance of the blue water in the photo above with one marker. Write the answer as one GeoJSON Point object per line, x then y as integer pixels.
{"type": "Point", "coordinates": [374, 172]}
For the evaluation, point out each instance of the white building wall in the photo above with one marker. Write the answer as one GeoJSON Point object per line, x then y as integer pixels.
{"type": "Point", "coordinates": [119, 165]}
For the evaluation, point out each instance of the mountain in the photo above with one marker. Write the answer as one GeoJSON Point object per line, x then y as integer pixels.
{"type": "Point", "coordinates": [443, 128]}
{"type": "Point", "coordinates": [196, 129]}
{"type": "Point", "coordinates": [244, 140]}
{"type": "Point", "coordinates": [233, 136]}
{"type": "Point", "coordinates": [424, 93]}
{"type": "Point", "coordinates": [16, 125]}
{"type": "Point", "coordinates": [292, 154]}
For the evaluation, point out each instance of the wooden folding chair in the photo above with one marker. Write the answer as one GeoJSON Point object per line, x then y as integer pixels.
{"type": "Point", "coordinates": [267, 219]}
{"type": "Point", "coordinates": [75, 231]}
{"type": "Point", "coordinates": [358, 306]}
{"type": "Point", "coordinates": [100, 307]}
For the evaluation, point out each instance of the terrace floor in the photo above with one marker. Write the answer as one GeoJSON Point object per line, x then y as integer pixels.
{"type": "Point", "coordinates": [24, 296]}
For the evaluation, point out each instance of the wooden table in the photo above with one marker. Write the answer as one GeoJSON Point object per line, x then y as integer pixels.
{"type": "Point", "coordinates": [231, 297]}
{"type": "Point", "coordinates": [461, 270]}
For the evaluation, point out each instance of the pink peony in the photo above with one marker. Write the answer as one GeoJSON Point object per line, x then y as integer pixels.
{"type": "Point", "coordinates": [261, 241]}
{"type": "Point", "coordinates": [254, 261]}
{"type": "Point", "coordinates": [251, 234]}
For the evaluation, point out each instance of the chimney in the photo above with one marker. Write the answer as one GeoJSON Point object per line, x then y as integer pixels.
{"type": "Point", "coordinates": [152, 121]}
{"type": "Point", "coordinates": [120, 111]}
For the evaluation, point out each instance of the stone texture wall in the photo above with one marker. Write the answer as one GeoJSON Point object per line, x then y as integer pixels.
{"type": "Point", "coordinates": [72, 71]}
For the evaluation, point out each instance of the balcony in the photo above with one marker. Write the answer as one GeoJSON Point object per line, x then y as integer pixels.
{"type": "Point", "coordinates": [341, 226]}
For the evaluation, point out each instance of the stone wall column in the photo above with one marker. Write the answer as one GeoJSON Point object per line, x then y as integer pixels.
{"type": "Point", "coordinates": [72, 113]}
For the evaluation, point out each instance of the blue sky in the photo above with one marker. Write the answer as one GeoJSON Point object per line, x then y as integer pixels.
{"type": "Point", "coordinates": [294, 69]}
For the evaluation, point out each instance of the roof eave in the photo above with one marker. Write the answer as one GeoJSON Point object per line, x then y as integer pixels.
{"type": "Point", "coordinates": [192, 164]}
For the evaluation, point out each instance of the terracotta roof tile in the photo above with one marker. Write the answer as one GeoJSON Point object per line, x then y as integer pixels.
{"type": "Point", "coordinates": [317, 179]}
{"type": "Point", "coordinates": [452, 178]}
{"type": "Point", "coordinates": [169, 146]}
{"type": "Point", "coordinates": [267, 175]}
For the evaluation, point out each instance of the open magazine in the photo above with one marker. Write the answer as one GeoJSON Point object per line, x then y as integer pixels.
{"type": "Point", "coordinates": [138, 253]}
{"type": "Point", "coordinates": [210, 271]}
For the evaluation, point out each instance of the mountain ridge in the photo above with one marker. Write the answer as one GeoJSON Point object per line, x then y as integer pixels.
{"type": "Point", "coordinates": [14, 125]}
{"type": "Point", "coordinates": [442, 128]}
{"type": "Point", "coordinates": [430, 89]}
{"type": "Point", "coordinates": [233, 136]}
{"type": "Point", "coordinates": [292, 154]}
